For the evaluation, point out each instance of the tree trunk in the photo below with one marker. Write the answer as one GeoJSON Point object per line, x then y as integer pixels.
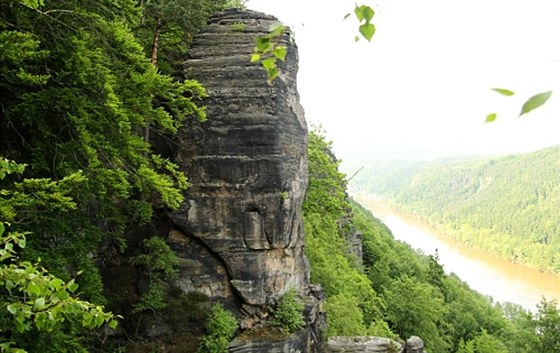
{"type": "Point", "coordinates": [155, 42]}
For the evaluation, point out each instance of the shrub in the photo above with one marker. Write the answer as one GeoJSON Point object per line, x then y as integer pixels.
{"type": "Point", "coordinates": [288, 314]}
{"type": "Point", "coordinates": [160, 263]}
{"type": "Point", "coordinates": [221, 327]}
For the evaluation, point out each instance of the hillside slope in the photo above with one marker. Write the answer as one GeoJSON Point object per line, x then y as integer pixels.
{"type": "Point", "coordinates": [506, 205]}
{"type": "Point", "coordinates": [395, 291]}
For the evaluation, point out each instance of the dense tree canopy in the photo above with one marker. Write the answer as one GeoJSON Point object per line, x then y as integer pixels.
{"type": "Point", "coordinates": [504, 205]}
{"type": "Point", "coordinates": [80, 88]}
{"type": "Point", "coordinates": [76, 94]}
{"type": "Point", "coordinates": [394, 291]}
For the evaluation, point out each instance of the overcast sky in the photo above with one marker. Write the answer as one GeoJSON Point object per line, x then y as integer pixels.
{"type": "Point", "coordinates": [421, 88]}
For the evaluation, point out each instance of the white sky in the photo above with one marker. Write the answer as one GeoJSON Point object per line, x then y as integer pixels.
{"type": "Point", "coordinates": [421, 88]}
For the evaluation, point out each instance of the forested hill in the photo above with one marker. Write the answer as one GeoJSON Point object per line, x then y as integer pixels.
{"type": "Point", "coordinates": [506, 205]}
{"type": "Point", "coordinates": [396, 292]}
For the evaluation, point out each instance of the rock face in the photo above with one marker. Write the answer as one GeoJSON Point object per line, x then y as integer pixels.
{"type": "Point", "coordinates": [367, 344]}
{"type": "Point", "coordinates": [415, 345]}
{"type": "Point", "coordinates": [239, 234]}
{"type": "Point", "coordinates": [247, 163]}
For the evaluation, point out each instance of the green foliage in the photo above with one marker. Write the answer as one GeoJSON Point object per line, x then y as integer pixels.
{"type": "Point", "coordinates": [171, 25]}
{"type": "Point", "coordinates": [548, 326]}
{"type": "Point", "coordinates": [221, 327]}
{"type": "Point", "coordinates": [288, 314]}
{"type": "Point", "coordinates": [238, 26]}
{"type": "Point", "coordinates": [34, 301]}
{"type": "Point", "coordinates": [79, 91]}
{"type": "Point", "coordinates": [397, 290]}
{"type": "Point", "coordinates": [532, 103]}
{"type": "Point", "coordinates": [444, 311]}
{"type": "Point", "coordinates": [503, 205]}
{"type": "Point", "coordinates": [352, 305]}
{"type": "Point", "coordinates": [269, 49]}
{"type": "Point", "coordinates": [283, 195]}
{"type": "Point", "coordinates": [491, 117]}
{"type": "Point", "coordinates": [160, 263]}
{"type": "Point", "coordinates": [505, 92]}
{"type": "Point", "coordinates": [417, 308]}
{"type": "Point", "coordinates": [483, 343]}
{"type": "Point", "coordinates": [364, 14]}
{"type": "Point", "coordinates": [535, 101]}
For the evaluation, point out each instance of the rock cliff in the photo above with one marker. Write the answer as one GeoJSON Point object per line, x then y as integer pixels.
{"type": "Point", "coordinates": [367, 344]}
{"type": "Point", "coordinates": [247, 163]}
{"type": "Point", "coordinates": [240, 234]}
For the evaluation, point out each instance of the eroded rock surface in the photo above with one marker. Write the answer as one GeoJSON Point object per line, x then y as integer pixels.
{"type": "Point", "coordinates": [370, 344]}
{"type": "Point", "coordinates": [362, 344]}
{"type": "Point", "coordinates": [248, 162]}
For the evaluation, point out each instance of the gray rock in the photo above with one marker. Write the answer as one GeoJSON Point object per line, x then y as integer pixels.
{"type": "Point", "coordinates": [271, 342]}
{"type": "Point", "coordinates": [415, 345]}
{"type": "Point", "coordinates": [247, 163]}
{"type": "Point", "coordinates": [362, 344]}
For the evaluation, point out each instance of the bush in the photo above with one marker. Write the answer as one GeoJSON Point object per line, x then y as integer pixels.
{"type": "Point", "coordinates": [288, 314]}
{"type": "Point", "coordinates": [221, 328]}
{"type": "Point", "coordinates": [160, 263]}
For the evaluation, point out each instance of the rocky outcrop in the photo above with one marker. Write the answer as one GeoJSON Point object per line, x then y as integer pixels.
{"type": "Point", "coordinates": [368, 344]}
{"type": "Point", "coordinates": [239, 234]}
{"type": "Point", "coordinates": [247, 163]}
{"type": "Point", "coordinates": [362, 344]}
{"type": "Point", "coordinates": [415, 345]}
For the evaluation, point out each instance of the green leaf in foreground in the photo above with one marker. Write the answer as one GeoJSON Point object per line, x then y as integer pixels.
{"type": "Point", "coordinates": [367, 30]}
{"type": "Point", "coordinates": [364, 12]}
{"type": "Point", "coordinates": [505, 92]}
{"type": "Point", "coordinates": [535, 101]}
{"type": "Point", "coordinates": [491, 117]}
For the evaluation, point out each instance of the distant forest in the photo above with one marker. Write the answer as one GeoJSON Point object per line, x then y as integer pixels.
{"type": "Point", "coordinates": [393, 291]}
{"type": "Point", "coordinates": [504, 205]}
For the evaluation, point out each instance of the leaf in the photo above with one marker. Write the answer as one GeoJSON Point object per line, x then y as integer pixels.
{"type": "Point", "coordinates": [255, 57]}
{"type": "Point", "coordinates": [22, 242]}
{"type": "Point", "coordinates": [40, 303]}
{"type": "Point", "coordinates": [272, 74]}
{"type": "Point", "coordinates": [367, 30]}
{"type": "Point", "coordinates": [72, 286]}
{"type": "Point", "coordinates": [277, 30]}
{"type": "Point", "coordinates": [113, 324]}
{"type": "Point", "coordinates": [263, 44]}
{"type": "Point", "coordinates": [491, 117]}
{"type": "Point", "coordinates": [364, 13]}
{"type": "Point", "coordinates": [12, 309]}
{"type": "Point", "coordinates": [280, 52]}
{"type": "Point", "coordinates": [535, 101]}
{"type": "Point", "coordinates": [269, 63]}
{"type": "Point", "coordinates": [505, 92]}
{"type": "Point", "coordinates": [99, 320]}
{"type": "Point", "coordinates": [57, 283]}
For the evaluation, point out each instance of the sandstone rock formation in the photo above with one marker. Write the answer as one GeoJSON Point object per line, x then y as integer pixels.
{"type": "Point", "coordinates": [247, 163]}
{"type": "Point", "coordinates": [362, 344]}
{"type": "Point", "coordinates": [240, 233]}
{"type": "Point", "coordinates": [368, 344]}
{"type": "Point", "coordinates": [415, 345]}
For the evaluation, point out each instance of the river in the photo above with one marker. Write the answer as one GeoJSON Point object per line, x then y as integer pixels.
{"type": "Point", "coordinates": [487, 274]}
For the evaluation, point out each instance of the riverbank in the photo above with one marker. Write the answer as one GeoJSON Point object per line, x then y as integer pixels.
{"type": "Point", "coordinates": [486, 273]}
